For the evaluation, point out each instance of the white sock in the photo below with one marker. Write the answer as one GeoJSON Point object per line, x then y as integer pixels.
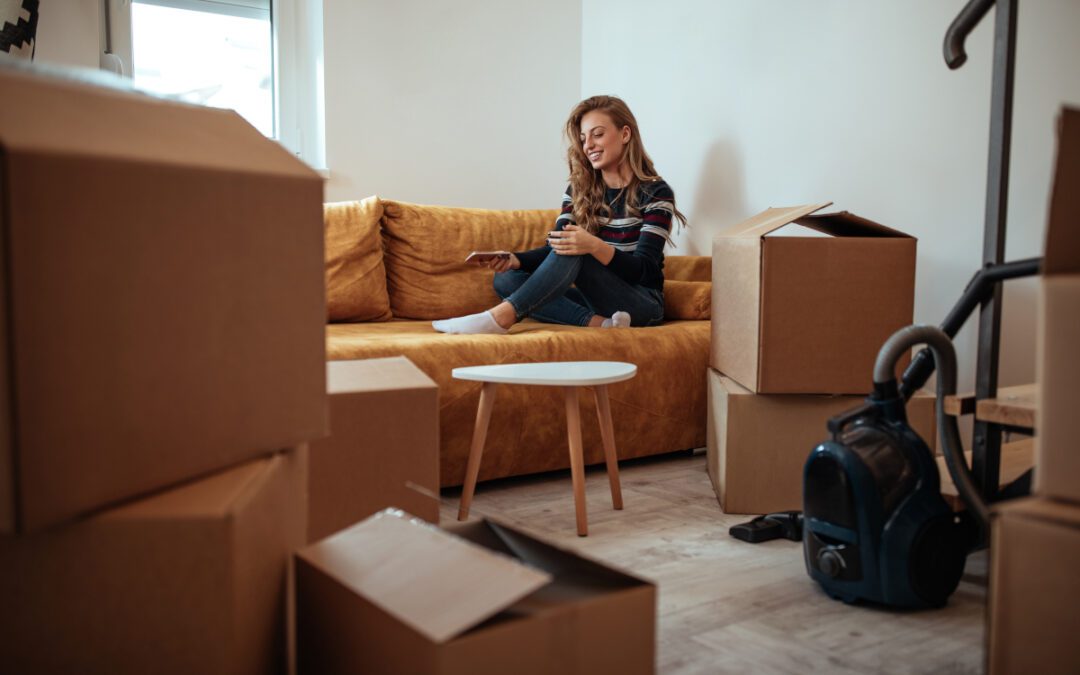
{"type": "Point", "coordinates": [472, 324]}
{"type": "Point", "coordinates": [617, 320]}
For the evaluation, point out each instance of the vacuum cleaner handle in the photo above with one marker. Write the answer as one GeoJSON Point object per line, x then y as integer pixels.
{"type": "Point", "coordinates": [962, 25]}
{"type": "Point", "coordinates": [978, 289]}
{"type": "Point", "coordinates": [944, 354]}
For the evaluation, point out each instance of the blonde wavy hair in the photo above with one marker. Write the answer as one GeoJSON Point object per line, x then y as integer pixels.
{"type": "Point", "coordinates": [587, 184]}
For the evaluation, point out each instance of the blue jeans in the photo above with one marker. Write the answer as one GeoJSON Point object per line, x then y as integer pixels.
{"type": "Point", "coordinates": [546, 294]}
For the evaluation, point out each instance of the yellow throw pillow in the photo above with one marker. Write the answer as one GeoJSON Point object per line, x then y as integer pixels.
{"type": "Point", "coordinates": [688, 268]}
{"type": "Point", "coordinates": [426, 246]}
{"type": "Point", "coordinates": [355, 274]}
{"type": "Point", "coordinates": [687, 299]}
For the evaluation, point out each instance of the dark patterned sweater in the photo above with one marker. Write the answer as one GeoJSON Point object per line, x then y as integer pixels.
{"type": "Point", "coordinates": [638, 241]}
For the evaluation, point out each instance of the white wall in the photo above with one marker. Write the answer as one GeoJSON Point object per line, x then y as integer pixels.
{"type": "Point", "coordinates": [68, 33]}
{"type": "Point", "coordinates": [746, 105]}
{"type": "Point", "coordinates": [457, 103]}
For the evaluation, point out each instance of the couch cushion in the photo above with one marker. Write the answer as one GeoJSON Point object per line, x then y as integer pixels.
{"type": "Point", "coordinates": [662, 409]}
{"type": "Point", "coordinates": [425, 252]}
{"type": "Point", "coordinates": [688, 268]}
{"type": "Point", "coordinates": [355, 275]}
{"type": "Point", "coordinates": [687, 299]}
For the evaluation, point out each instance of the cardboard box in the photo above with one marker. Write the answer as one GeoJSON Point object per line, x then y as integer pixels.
{"type": "Point", "coordinates": [383, 448]}
{"type": "Point", "coordinates": [162, 296]}
{"type": "Point", "coordinates": [192, 580]}
{"type": "Point", "coordinates": [758, 443]}
{"type": "Point", "coordinates": [808, 314]}
{"type": "Point", "coordinates": [393, 595]}
{"type": "Point", "coordinates": [1057, 461]}
{"type": "Point", "coordinates": [1034, 588]}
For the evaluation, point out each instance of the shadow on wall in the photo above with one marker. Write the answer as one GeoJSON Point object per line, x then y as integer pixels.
{"type": "Point", "coordinates": [719, 201]}
{"type": "Point", "coordinates": [1016, 363]}
{"type": "Point", "coordinates": [1019, 312]}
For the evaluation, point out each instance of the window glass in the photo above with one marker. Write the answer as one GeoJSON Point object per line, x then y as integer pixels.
{"type": "Point", "coordinates": [206, 57]}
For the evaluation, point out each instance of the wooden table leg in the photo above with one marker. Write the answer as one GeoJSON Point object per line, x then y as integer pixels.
{"type": "Point", "coordinates": [476, 450]}
{"type": "Point", "coordinates": [577, 459]}
{"type": "Point", "coordinates": [607, 432]}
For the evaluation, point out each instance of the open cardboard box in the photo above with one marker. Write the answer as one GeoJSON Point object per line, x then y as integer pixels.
{"type": "Point", "coordinates": [163, 296]}
{"type": "Point", "coordinates": [190, 580]}
{"type": "Point", "coordinates": [383, 447]}
{"type": "Point", "coordinates": [808, 314]}
{"type": "Point", "coordinates": [395, 594]}
{"type": "Point", "coordinates": [1057, 462]}
{"type": "Point", "coordinates": [758, 443]}
{"type": "Point", "coordinates": [1034, 587]}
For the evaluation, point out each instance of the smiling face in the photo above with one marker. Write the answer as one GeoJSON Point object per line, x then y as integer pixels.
{"type": "Point", "coordinates": [602, 142]}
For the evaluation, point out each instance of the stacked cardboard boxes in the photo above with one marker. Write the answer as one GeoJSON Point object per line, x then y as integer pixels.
{"type": "Point", "coordinates": [1035, 544]}
{"type": "Point", "coordinates": [798, 316]}
{"type": "Point", "coordinates": [163, 297]}
{"type": "Point", "coordinates": [162, 362]}
{"type": "Point", "coordinates": [1058, 375]}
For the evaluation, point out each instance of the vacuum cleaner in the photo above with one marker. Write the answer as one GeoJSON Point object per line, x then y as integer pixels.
{"type": "Point", "coordinates": [875, 526]}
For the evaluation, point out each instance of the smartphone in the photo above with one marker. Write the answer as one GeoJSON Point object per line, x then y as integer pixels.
{"type": "Point", "coordinates": [480, 257]}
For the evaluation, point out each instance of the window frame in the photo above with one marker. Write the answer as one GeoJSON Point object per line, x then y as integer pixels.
{"type": "Point", "coordinates": [244, 10]}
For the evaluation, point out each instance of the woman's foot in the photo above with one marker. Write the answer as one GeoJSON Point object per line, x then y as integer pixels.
{"type": "Point", "coordinates": [473, 324]}
{"type": "Point", "coordinates": [617, 320]}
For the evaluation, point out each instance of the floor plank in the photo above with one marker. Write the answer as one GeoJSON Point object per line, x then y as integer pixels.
{"type": "Point", "coordinates": [726, 606]}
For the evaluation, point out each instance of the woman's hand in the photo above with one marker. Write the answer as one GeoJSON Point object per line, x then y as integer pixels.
{"type": "Point", "coordinates": [572, 240]}
{"type": "Point", "coordinates": [509, 262]}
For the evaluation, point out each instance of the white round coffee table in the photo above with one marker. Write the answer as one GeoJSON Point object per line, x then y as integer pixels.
{"type": "Point", "coordinates": [566, 374]}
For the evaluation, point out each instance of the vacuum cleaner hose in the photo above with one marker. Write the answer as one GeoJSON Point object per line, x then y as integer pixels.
{"type": "Point", "coordinates": [944, 354]}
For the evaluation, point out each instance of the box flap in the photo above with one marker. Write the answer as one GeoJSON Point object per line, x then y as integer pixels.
{"type": "Point", "coordinates": [369, 375]}
{"type": "Point", "coordinates": [1062, 251]}
{"type": "Point", "coordinates": [846, 224]}
{"type": "Point", "coordinates": [571, 571]}
{"type": "Point", "coordinates": [736, 296]}
{"type": "Point", "coordinates": [112, 122]}
{"type": "Point", "coordinates": [733, 388]}
{"type": "Point", "coordinates": [769, 220]}
{"type": "Point", "coordinates": [438, 584]}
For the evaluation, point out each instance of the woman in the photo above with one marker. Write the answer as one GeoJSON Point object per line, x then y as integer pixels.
{"type": "Point", "coordinates": [603, 265]}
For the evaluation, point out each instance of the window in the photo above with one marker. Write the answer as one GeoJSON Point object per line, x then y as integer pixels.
{"type": "Point", "coordinates": [260, 57]}
{"type": "Point", "coordinates": [210, 52]}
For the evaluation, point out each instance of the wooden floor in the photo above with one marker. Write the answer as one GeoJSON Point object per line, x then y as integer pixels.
{"type": "Point", "coordinates": [726, 606]}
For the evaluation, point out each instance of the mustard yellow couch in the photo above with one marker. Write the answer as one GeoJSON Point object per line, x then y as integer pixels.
{"type": "Point", "coordinates": [393, 267]}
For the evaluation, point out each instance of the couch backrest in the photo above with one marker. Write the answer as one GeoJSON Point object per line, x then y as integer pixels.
{"type": "Point", "coordinates": [425, 249]}
{"type": "Point", "coordinates": [687, 268]}
{"type": "Point", "coordinates": [422, 250]}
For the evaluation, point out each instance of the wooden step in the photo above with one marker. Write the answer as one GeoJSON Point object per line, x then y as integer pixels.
{"type": "Point", "coordinates": [1016, 458]}
{"type": "Point", "coordinates": [960, 404]}
{"type": "Point", "coordinates": [1013, 406]}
